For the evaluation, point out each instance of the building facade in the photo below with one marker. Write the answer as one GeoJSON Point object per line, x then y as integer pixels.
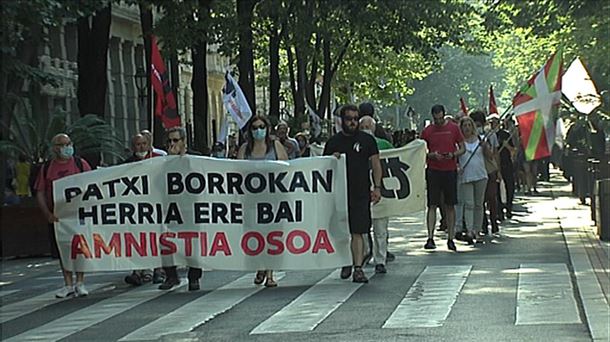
{"type": "Point", "coordinates": [125, 108]}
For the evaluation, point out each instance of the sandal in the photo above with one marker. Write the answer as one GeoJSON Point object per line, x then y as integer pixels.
{"type": "Point", "coordinates": [270, 283]}
{"type": "Point", "coordinates": [260, 277]}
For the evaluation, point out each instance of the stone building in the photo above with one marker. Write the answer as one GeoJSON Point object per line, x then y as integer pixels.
{"type": "Point", "coordinates": [125, 107]}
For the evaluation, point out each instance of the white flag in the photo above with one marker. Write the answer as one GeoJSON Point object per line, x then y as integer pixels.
{"type": "Point", "coordinates": [579, 89]}
{"type": "Point", "coordinates": [316, 128]}
{"type": "Point", "coordinates": [224, 130]}
{"type": "Point", "coordinates": [235, 101]}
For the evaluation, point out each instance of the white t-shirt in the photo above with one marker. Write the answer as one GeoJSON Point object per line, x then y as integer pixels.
{"type": "Point", "coordinates": [475, 169]}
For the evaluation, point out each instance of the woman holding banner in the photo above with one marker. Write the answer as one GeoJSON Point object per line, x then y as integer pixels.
{"type": "Point", "coordinates": [260, 146]}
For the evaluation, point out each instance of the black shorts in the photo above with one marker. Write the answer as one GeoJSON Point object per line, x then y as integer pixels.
{"type": "Point", "coordinates": [441, 183]}
{"type": "Point", "coordinates": [360, 216]}
{"type": "Point", "coordinates": [53, 241]}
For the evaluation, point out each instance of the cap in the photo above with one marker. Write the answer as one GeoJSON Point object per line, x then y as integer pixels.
{"type": "Point", "coordinates": [493, 116]}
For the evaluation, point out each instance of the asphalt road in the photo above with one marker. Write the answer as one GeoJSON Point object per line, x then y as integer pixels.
{"type": "Point", "coordinates": [519, 286]}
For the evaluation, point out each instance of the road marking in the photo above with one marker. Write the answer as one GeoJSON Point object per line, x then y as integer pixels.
{"type": "Point", "coordinates": [199, 311]}
{"type": "Point", "coordinates": [7, 292]}
{"type": "Point", "coordinates": [92, 314]}
{"type": "Point", "coordinates": [430, 299]}
{"type": "Point", "coordinates": [311, 307]}
{"type": "Point", "coordinates": [11, 311]}
{"type": "Point", "coordinates": [545, 295]}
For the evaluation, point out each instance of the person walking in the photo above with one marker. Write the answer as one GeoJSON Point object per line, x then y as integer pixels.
{"type": "Point", "coordinates": [176, 145]}
{"type": "Point", "coordinates": [380, 224]}
{"type": "Point", "coordinates": [260, 146]}
{"type": "Point", "coordinates": [360, 149]}
{"type": "Point", "coordinates": [62, 164]}
{"type": "Point", "coordinates": [445, 143]}
{"type": "Point", "coordinates": [472, 180]}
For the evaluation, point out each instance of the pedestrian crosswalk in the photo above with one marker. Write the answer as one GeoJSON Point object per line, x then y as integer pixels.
{"type": "Point", "coordinates": [544, 295]}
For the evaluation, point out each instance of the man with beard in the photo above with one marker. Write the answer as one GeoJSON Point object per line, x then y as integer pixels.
{"type": "Point", "coordinates": [360, 149]}
{"type": "Point", "coordinates": [445, 143]}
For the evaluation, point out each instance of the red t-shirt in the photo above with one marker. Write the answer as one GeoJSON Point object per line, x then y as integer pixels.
{"type": "Point", "coordinates": [442, 139]}
{"type": "Point", "coordinates": [56, 170]}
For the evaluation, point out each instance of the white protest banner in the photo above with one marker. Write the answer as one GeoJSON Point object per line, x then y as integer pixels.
{"type": "Point", "coordinates": [404, 181]}
{"type": "Point", "coordinates": [205, 212]}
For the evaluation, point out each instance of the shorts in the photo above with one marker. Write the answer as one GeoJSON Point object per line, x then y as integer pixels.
{"type": "Point", "coordinates": [359, 213]}
{"type": "Point", "coordinates": [53, 241]}
{"type": "Point", "coordinates": [441, 183]}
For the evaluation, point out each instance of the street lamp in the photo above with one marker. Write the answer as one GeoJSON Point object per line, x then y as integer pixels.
{"type": "Point", "coordinates": [141, 78]}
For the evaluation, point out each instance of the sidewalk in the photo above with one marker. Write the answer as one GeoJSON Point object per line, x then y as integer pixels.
{"type": "Point", "coordinates": [589, 255]}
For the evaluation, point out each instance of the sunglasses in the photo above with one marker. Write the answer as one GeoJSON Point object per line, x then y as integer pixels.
{"type": "Point", "coordinates": [258, 127]}
{"type": "Point", "coordinates": [174, 140]}
{"type": "Point", "coordinates": [350, 118]}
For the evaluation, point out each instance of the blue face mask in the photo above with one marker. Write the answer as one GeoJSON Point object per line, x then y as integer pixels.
{"type": "Point", "coordinates": [66, 152]}
{"type": "Point", "coordinates": [259, 134]}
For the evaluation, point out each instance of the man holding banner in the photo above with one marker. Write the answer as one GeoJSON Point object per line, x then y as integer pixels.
{"type": "Point", "coordinates": [360, 148]}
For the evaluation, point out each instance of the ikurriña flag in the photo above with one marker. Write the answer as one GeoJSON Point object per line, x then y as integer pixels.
{"type": "Point", "coordinates": [235, 101]}
{"type": "Point", "coordinates": [536, 106]}
{"type": "Point", "coordinates": [492, 101]}
{"type": "Point", "coordinates": [165, 105]}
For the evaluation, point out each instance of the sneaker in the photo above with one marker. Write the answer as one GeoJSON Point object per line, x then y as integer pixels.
{"type": "Point", "coordinates": [380, 268]}
{"type": "Point", "coordinates": [194, 285]}
{"type": "Point", "coordinates": [451, 245]}
{"type": "Point", "coordinates": [390, 257]}
{"type": "Point", "coordinates": [81, 290]}
{"type": "Point", "coordinates": [359, 276]}
{"type": "Point", "coordinates": [64, 292]}
{"type": "Point", "coordinates": [169, 283]}
{"type": "Point", "coordinates": [430, 244]}
{"type": "Point", "coordinates": [133, 279]}
{"type": "Point", "coordinates": [346, 271]}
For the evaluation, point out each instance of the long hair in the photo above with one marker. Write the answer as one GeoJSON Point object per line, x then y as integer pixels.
{"type": "Point", "coordinates": [250, 139]}
{"type": "Point", "coordinates": [465, 119]}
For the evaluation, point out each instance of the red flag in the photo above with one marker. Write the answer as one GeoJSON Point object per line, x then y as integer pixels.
{"type": "Point", "coordinates": [463, 106]}
{"type": "Point", "coordinates": [165, 106]}
{"type": "Point", "coordinates": [492, 101]}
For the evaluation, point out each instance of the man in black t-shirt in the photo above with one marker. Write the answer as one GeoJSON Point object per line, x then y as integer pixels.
{"type": "Point", "coordinates": [507, 150]}
{"type": "Point", "coordinates": [360, 149]}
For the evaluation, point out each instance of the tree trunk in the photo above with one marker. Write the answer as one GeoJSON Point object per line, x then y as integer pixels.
{"type": "Point", "coordinates": [92, 57]}
{"type": "Point", "coordinates": [296, 98]}
{"type": "Point", "coordinates": [199, 84]}
{"type": "Point", "coordinates": [274, 74]}
{"type": "Point", "coordinates": [310, 92]}
{"type": "Point", "coordinates": [245, 9]}
{"type": "Point", "coordinates": [324, 103]}
{"type": "Point", "coordinates": [92, 60]}
{"type": "Point", "coordinates": [301, 57]}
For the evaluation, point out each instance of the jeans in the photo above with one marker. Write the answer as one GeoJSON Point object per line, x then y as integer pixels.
{"type": "Point", "coordinates": [380, 247]}
{"type": "Point", "coordinates": [470, 204]}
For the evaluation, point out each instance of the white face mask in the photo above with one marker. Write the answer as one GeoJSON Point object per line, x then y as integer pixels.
{"type": "Point", "coordinates": [141, 155]}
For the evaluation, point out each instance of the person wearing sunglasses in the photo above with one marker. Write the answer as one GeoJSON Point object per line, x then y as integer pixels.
{"type": "Point", "coordinates": [260, 146]}
{"type": "Point", "coordinates": [176, 145]}
{"type": "Point", "coordinates": [360, 149]}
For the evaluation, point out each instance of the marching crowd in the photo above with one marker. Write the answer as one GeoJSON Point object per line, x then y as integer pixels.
{"type": "Point", "coordinates": [472, 161]}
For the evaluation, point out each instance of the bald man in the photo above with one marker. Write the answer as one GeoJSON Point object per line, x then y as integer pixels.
{"type": "Point", "coordinates": [62, 164]}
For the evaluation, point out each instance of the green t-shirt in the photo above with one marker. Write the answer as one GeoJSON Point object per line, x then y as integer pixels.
{"type": "Point", "coordinates": [383, 144]}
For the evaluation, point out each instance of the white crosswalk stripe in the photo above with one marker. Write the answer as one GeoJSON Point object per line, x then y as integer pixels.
{"type": "Point", "coordinates": [24, 307]}
{"type": "Point", "coordinates": [545, 295]}
{"type": "Point", "coordinates": [199, 311]}
{"type": "Point", "coordinates": [312, 307]}
{"type": "Point", "coordinates": [429, 301]}
{"type": "Point", "coordinates": [7, 292]}
{"type": "Point", "coordinates": [93, 314]}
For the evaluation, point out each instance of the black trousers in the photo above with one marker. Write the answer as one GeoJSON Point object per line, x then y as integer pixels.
{"type": "Point", "coordinates": [193, 273]}
{"type": "Point", "coordinates": [509, 185]}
